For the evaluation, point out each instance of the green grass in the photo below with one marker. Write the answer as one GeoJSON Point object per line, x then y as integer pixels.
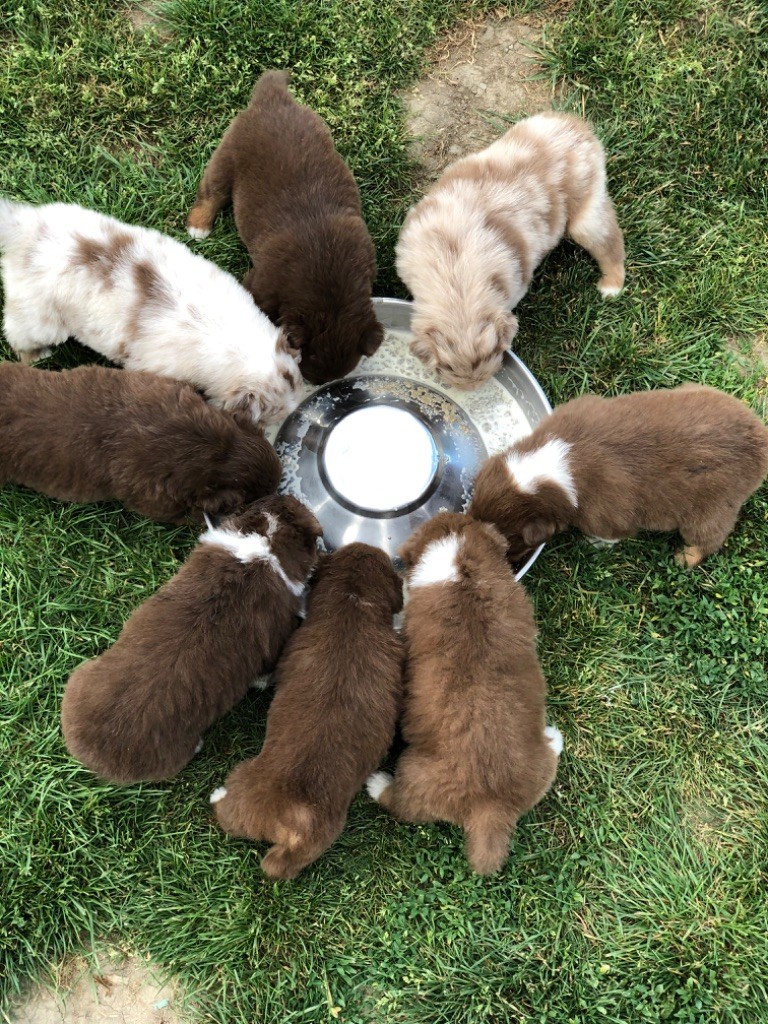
{"type": "Point", "coordinates": [636, 891]}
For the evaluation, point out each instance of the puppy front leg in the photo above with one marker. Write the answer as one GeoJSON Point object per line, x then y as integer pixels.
{"type": "Point", "coordinates": [704, 539]}
{"type": "Point", "coordinates": [213, 194]}
{"type": "Point", "coordinates": [596, 229]}
{"type": "Point", "coordinates": [287, 862]}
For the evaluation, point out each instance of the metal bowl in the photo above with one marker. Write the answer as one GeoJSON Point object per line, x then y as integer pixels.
{"type": "Point", "coordinates": [381, 451]}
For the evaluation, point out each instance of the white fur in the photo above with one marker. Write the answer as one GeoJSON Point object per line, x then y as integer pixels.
{"type": "Point", "coordinates": [262, 683]}
{"type": "Point", "coordinates": [437, 563]}
{"type": "Point", "coordinates": [602, 542]}
{"type": "Point", "coordinates": [554, 738]}
{"type": "Point", "coordinates": [198, 233]}
{"type": "Point", "coordinates": [449, 252]}
{"type": "Point", "coordinates": [218, 794]}
{"type": "Point", "coordinates": [377, 783]}
{"type": "Point", "coordinates": [196, 323]}
{"type": "Point", "coordinates": [546, 464]}
{"type": "Point", "coordinates": [249, 547]}
{"type": "Point", "coordinates": [199, 746]}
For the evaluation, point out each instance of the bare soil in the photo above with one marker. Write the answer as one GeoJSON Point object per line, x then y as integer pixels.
{"type": "Point", "coordinates": [480, 77]}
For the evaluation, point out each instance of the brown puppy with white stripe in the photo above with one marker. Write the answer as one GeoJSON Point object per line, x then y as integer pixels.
{"type": "Point", "coordinates": [332, 718]}
{"type": "Point", "coordinates": [468, 249]}
{"type": "Point", "coordinates": [152, 443]}
{"type": "Point", "coordinates": [479, 751]}
{"type": "Point", "coordinates": [681, 459]}
{"type": "Point", "coordinates": [188, 654]}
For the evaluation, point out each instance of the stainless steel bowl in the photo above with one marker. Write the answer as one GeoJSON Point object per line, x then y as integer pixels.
{"type": "Point", "coordinates": [381, 451]}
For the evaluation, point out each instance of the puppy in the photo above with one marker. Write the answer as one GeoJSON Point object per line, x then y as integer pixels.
{"type": "Point", "coordinates": [297, 210]}
{"type": "Point", "coordinates": [142, 300]}
{"type": "Point", "coordinates": [682, 459]}
{"type": "Point", "coordinates": [479, 754]}
{"type": "Point", "coordinates": [332, 718]}
{"type": "Point", "coordinates": [188, 654]}
{"type": "Point", "coordinates": [95, 434]}
{"type": "Point", "coordinates": [468, 250]}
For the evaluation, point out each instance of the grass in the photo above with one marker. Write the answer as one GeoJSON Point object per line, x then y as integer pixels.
{"type": "Point", "coordinates": [636, 891]}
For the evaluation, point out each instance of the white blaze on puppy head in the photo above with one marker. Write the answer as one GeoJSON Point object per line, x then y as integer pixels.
{"type": "Point", "coordinates": [249, 547]}
{"type": "Point", "coordinates": [547, 464]}
{"type": "Point", "coordinates": [437, 563]}
{"type": "Point", "coordinates": [143, 300]}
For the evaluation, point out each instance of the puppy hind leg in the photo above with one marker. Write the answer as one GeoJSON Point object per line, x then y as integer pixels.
{"type": "Point", "coordinates": [702, 539]}
{"type": "Point", "coordinates": [596, 229]}
{"type": "Point", "coordinates": [400, 800]}
{"type": "Point", "coordinates": [213, 194]}
{"type": "Point", "coordinates": [284, 862]}
{"type": "Point", "coordinates": [488, 831]}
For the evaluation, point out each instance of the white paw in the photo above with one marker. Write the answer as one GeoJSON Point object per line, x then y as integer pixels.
{"type": "Point", "coordinates": [199, 746]}
{"type": "Point", "coordinates": [554, 738]}
{"type": "Point", "coordinates": [602, 542]}
{"type": "Point", "coordinates": [218, 794]}
{"type": "Point", "coordinates": [377, 783]}
{"type": "Point", "coordinates": [198, 232]}
{"type": "Point", "coordinates": [609, 291]}
{"type": "Point", "coordinates": [262, 683]}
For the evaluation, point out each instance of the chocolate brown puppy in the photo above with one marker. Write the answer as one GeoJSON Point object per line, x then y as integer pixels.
{"type": "Point", "coordinates": [681, 459]}
{"type": "Point", "coordinates": [479, 752]}
{"type": "Point", "coordinates": [98, 434]}
{"type": "Point", "coordinates": [189, 653]}
{"type": "Point", "coordinates": [297, 210]}
{"type": "Point", "coordinates": [332, 718]}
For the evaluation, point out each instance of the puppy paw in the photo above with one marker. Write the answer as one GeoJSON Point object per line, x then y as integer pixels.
{"type": "Point", "coordinates": [218, 794]}
{"type": "Point", "coordinates": [262, 683]}
{"type": "Point", "coordinates": [377, 783]}
{"type": "Point", "coordinates": [602, 542]}
{"type": "Point", "coordinates": [199, 746]}
{"type": "Point", "coordinates": [690, 556]}
{"type": "Point", "coordinates": [198, 233]}
{"type": "Point", "coordinates": [612, 284]}
{"type": "Point", "coordinates": [554, 738]}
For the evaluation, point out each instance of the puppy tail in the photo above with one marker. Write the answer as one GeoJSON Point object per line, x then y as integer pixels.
{"type": "Point", "coordinates": [488, 830]}
{"type": "Point", "coordinates": [271, 84]}
{"type": "Point", "coordinates": [13, 219]}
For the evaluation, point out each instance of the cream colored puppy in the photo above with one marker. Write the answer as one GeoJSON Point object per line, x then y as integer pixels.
{"type": "Point", "coordinates": [467, 251]}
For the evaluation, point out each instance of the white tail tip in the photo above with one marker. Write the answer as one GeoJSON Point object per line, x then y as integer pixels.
{"type": "Point", "coordinates": [377, 783]}
{"type": "Point", "coordinates": [554, 738]}
{"type": "Point", "coordinates": [218, 794]}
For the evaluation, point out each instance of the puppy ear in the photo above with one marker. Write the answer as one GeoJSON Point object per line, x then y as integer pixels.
{"type": "Point", "coordinates": [222, 502]}
{"type": "Point", "coordinates": [409, 553]}
{"type": "Point", "coordinates": [371, 339]}
{"type": "Point", "coordinates": [505, 324]}
{"type": "Point", "coordinates": [537, 531]}
{"type": "Point", "coordinates": [283, 344]}
{"type": "Point", "coordinates": [495, 535]}
{"type": "Point", "coordinates": [423, 347]}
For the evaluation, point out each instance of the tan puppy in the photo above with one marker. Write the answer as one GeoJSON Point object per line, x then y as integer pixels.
{"type": "Point", "coordinates": [96, 434]}
{"type": "Point", "coordinates": [479, 753]}
{"type": "Point", "coordinates": [332, 718]}
{"type": "Point", "coordinates": [189, 653]}
{"type": "Point", "coordinates": [682, 459]}
{"type": "Point", "coordinates": [468, 250]}
{"type": "Point", "coordinates": [297, 210]}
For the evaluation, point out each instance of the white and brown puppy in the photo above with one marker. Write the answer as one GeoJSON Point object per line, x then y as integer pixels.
{"type": "Point", "coordinates": [188, 654]}
{"type": "Point", "coordinates": [479, 751]}
{"type": "Point", "coordinates": [332, 718]}
{"type": "Point", "coordinates": [681, 459]}
{"type": "Point", "coordinates": [100, 434]}
{"type": "Point", "coordinates": [142, 300]}
{"type": "Point", "coordinates": [467, 251]}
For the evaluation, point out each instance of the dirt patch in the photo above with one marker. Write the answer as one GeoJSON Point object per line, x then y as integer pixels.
{"type": "Point", "coordinates": [480, 76]}
{"type": "Point", "coordinates": [750, 355]}
{"type": "Point", "coordinates": [147, 15]}
{"type": "Point", "coordinates": [119, 990]}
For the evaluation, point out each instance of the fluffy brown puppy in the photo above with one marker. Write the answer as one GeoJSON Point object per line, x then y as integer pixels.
{"type": "Point", "coordinates": [189, 653]}
{"type": "Point", "coordinates": [332, 718]}
{"type": "Point", "coordinates": [297, 210]}
{"type": "Point", "coordinates": [479, 753]}
{"type": "Point", "coordinates": [682, 459]}
{"type": "Point", "coordinates": [98, 434]}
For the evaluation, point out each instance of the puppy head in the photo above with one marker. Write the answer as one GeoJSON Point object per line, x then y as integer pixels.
{"type": "Point", "coordinates": [525, 519]}
{"type": "Point", "coordinates": [333, 344]}
{"type": "Point", "coordinates": [464, 357]}
{"type": "Point", "coordinates": [247, 470]}
{"type": "Point", "coordinates": [365, 572]}
{"type": "Point", "coordinates": [442, 525]}
{"type": "Point", "coordinates": [269, 398]}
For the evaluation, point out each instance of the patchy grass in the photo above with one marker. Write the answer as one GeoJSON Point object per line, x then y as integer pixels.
{"type": "Point", "coordinates": [636, 891]}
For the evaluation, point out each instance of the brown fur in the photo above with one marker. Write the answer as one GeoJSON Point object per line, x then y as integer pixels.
{"type": "Point", "coordinates": [189, 653]}
{"type": "Point", "coordinates": [474, 714]}
{"type": "Point", "coordinates": [682, 459]}
{"type": "Point", "coordinates": [332, 718]}
{"type": "Point", "coordinates": [98, 434]}
{"type": "Point", "coordinates": [297, 209]}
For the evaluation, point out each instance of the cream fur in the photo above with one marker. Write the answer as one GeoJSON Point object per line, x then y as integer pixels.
{"type": "Point", "coordinates": [143, 300]}
{"type": "Point", "coordinates": [468, 250]}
